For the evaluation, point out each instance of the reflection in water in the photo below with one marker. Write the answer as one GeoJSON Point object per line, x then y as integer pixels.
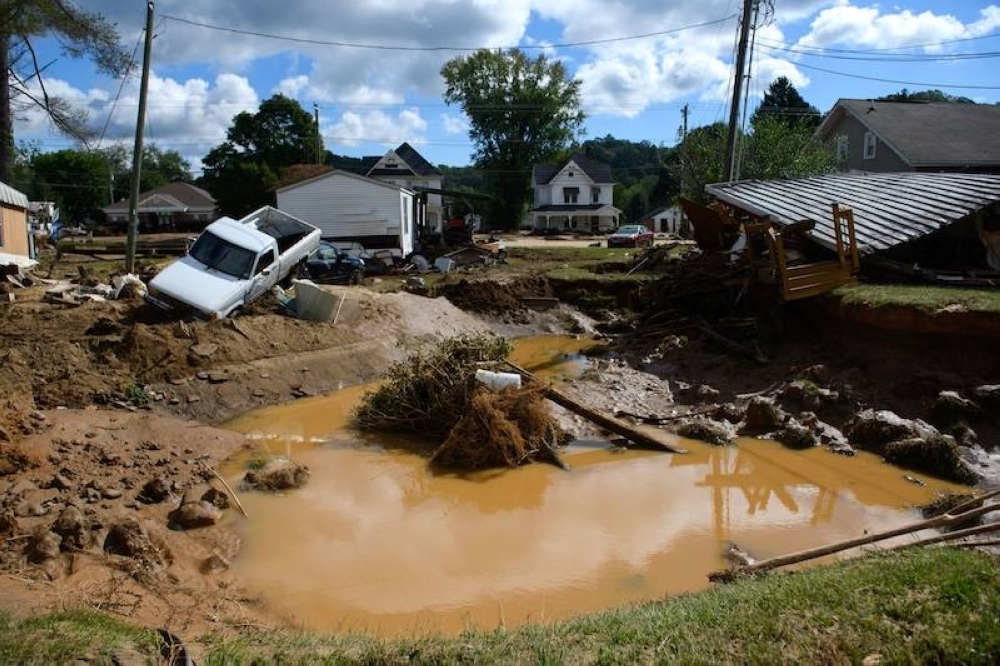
{"type": "Point", "coordinates": [379, 542]}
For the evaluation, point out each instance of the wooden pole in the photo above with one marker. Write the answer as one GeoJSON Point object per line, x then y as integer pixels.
{"type": "Point", "coordinates": [140, 125]}
{"type": "Point", "coordinates": [231, 491]}
{"type": "Point", "coordinates": [734, 107]}
{"type": "Point", "coordinates": [638, 437]}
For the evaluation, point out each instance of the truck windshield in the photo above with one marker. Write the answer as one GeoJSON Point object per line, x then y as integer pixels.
{"type": "Point", "coordinates": [223, 256]}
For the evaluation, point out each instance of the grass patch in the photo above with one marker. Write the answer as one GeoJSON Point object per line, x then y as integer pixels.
{"type": "Point", "coordinates": [67, 636]}
{"type": "Point", "coordinates": [577, 274]}
{"type": "Point", "coordinates": [928, 299]}
{"type": "Point", "coordinates": [570, 254]}
{"type": "Point", "coordinates": [932, 605]}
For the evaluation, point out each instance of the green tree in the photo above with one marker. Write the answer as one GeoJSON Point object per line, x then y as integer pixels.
{"type": "Point", "coordinates": [159, 167]}
{"type": "Point", "coordinates": [701, 161]}
{"type": "Point", "coordinates": [77, 180]}
{"type": "Point", "coordinates": [932, 95]}
{"type": "Point", "coordinates": [80, 33]}
{"type": "Point", "coordinates": [777, 149]}
{"type": "Point", "coordinates": [521, 112]}
{"type": "Point", "coordinates": [241, 172]}
{"type": "Point", "coordinates": [783, 101]}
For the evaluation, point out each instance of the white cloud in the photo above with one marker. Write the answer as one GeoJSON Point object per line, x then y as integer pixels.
{"type": "Point", "coordinates": [454, 124]}
{"type": "Point", "coordinates": [355, 128]}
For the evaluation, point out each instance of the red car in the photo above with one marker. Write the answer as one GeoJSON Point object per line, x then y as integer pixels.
{"type": "Point", "coordinates": [633, 235]}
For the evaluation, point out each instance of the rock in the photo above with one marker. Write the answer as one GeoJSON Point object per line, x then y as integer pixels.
{"type": "Point", "coordinates": [762, 415]}
{"type": "Point", "coordinates": [819, 373]}
{"type": "Point", "coordinates": [950, 408]}
{"type": "Point", "coordinates": [112, 493]}
{"type": "Point", "coordinates": [794, 435]}
{"type": "Point", "coordinates": [217, 378]}
{"type": "Point", "coordinates": [809, 393]}
{"type": "Point", "coordinates": [60, 482]}
{"type": "Point", "coordinates": [214, 563]}
{"type": "Point", "coordinates": [964, 435]}
{"type": "Point", "coordinates": [203, 376]}
{"type": "Point", "coordinates": [8, 524]}
{"type": "Point", "coordinates": [128, 538]}
{"type": "Point", "coordinates": [192, 515]}
{"type": "Point", "coordinates": [216, 498]}
{"type": "Point", "coordinates": [258, 393]}
{"type": "Point", "coordinates": [871, 430]}
{"type": "Point", "coordinates": [203, 350]}
{"type": "Point", "coordinates": [193, 399]}
{"type": "Point", "coordinates": [988, 396]}
{"type": "Point", "coordinates": [37, 416]}
{"type": "Point", "coordinates": [937, 455]}
{"type": "Point", "coordinates": [72, 527]}
{"type": "Point", "coordinates": [21, 487]}
{"type": "Point", "coordinates": [277, 474]}
{"type": "Point", "coordinates": [828, 436]}
{"type": "Point", "coordinates": [727, 412]}
{"type": "Point", "coordinates": [44, 545]}
{"type": "Point", "coordinates": [154, 491]}
{"type": "Point", "coordinates": [700, 394]}
{"type": "Point", "coordinates": [707, 430]}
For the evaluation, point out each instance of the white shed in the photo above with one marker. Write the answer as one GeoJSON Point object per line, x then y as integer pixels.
{"type": "Point", "coordinates": [349, 207]}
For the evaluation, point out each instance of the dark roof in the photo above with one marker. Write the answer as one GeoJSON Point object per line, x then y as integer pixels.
{"type": "Point", "coordinates": [889, 208]}
{"type": "Point", "coordinates": [599, 172]}
{"type": "Point", "coordinates": [554, 208]}
{"type": "Point", "coordinates": [185, 193]}
{"type": "Point", "coordinates": [937, 134]}
{"type": "Point", "coordinates": [418, 165]}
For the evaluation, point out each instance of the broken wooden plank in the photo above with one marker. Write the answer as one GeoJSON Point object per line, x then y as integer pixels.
{"type": "Point", "coordinates": [641, 438]}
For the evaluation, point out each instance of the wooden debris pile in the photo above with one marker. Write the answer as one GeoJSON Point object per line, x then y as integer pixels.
{"type": "Point", "coordinates": [434, 394]}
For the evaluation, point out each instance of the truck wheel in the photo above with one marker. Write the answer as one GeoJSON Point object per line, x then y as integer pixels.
{"type": "Point", "coordinates": [356, 276]}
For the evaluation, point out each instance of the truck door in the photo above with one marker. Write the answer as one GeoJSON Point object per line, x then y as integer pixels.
{"type": "Point", "coordinates": [264, 277]}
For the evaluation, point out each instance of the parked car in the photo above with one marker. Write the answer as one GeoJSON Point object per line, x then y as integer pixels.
{"type": "Point", "coordinates": [234, 262]}
{"type": "Point", "coordinates": [332, 264]}
{"type": "Point", "coordinates": [632, 235]}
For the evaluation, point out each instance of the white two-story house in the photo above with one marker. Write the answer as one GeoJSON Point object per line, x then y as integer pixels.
{"type": "Point", "coordinates": [406, 168]}
{"type": "Point", "coordinates": [576, 195]}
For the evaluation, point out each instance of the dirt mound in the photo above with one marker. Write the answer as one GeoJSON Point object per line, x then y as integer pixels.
{"type": "Point", "coordinates": [493, 297]}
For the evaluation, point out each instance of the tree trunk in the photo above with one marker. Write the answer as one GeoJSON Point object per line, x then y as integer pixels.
{"type": "Point", "coordinates": [6, 124]}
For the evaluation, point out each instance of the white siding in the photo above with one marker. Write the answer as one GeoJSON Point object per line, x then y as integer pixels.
{"type": "Point", "coordinates": [344, 206]}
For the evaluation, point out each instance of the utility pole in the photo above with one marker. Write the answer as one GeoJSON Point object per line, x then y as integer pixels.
{"type": "Point", "coordinates": [684, 157]}
{"type": "Point", "coordinates": [133, 201]}
{"type": "Point", "coordinates": [319, 139]}
{"type": "Point", "coordinates": [734, 108]}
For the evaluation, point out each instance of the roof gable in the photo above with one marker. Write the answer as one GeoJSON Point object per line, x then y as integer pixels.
{"type": "Point", "coordinates": [928, 134]}
{"type": "Point", "coordinates": [188, 195]}
{"type": "Point", "coordinates": [599, 172]}
{"type": "Point", "coordinates": [411, 163]}
{"type": "Point", "coordinates": [336, 173]}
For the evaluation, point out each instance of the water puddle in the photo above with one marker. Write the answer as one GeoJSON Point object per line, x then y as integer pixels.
{"type": "Point", "coordinates": [377, 542]}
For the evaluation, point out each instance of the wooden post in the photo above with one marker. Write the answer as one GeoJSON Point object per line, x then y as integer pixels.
{"type": "Point", "coordinates": [140, 125]}
{"type": "Point", "coordinates": [838, 234]}
{"type": "Point", "coordinates": [852, 239]}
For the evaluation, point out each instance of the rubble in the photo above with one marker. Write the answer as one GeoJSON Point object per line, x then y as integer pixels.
{"type": "Point", "coordinates": [872, 430]}
{"type": "Point", "coordinates": [762, 415]}
{"type": "Point", "coordinates": [934, 454]}
{"type": "Point", "coordinates": [950, 408]}
{"type": "Point", "coordinates": [795, 435]}
{"type": "Point", "coordinates": [708, 430]}
{"type": "Point", "coordinates": [193, 514]}
{"type": "Point", "coordinates": [277, 474]}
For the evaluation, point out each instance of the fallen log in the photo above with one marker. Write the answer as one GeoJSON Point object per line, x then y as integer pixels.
{"type": "Point", "coordinates": [958, 515]}
{"type": "Point", "coordinates": [639, 438]}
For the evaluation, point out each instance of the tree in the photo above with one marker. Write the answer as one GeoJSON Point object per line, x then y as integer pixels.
{"type": "Point", "coordinates": [242, 172]}
{"type": "Point", "coordinates": [81, 34]}
{"type": "Point", "coordinates": [932, 95]}
{"type": "Point", "coordinates": [77, 180]}
{"type": "Point", "coordinates": [783, 101]}
{"type": "Point", "coordinates": [777, 149]}
{"type": "Point", "coordinates": [703, 153]}
{"type": "Point", "coordinates": [159, 167]}
{"type": "Point", "coordinates": [521, 112]}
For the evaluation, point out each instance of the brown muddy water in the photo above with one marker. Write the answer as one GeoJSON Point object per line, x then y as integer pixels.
{"type": "Point", "coordinates": [378, 542]}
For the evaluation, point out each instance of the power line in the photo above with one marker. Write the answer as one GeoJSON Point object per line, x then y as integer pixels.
{"type": "Point", "coordinates": [385, 47]}
{"type": "Point", "coordinates": [901, 57]}
{"type": "Point", "coordinates": [121, 87]}
{"type": "Point", "coordinates": [905, 83]}
{"type": "Point", "coordinates": [890, 48]}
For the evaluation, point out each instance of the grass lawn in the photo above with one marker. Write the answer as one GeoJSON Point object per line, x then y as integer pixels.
{"type": "Point", "coordinates": [929, 299]}
{"type": "Point", "coordinates": [932, 605]}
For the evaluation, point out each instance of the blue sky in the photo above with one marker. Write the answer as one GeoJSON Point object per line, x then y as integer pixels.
{"type": "Point", "coordinates": [633, 88]}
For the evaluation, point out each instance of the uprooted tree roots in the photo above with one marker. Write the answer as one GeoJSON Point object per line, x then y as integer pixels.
{"type": "Point", "coordinates": [434, 394]}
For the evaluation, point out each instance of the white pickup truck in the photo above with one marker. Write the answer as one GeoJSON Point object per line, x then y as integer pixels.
{"type": "Point", "coordinates": [234, 262]}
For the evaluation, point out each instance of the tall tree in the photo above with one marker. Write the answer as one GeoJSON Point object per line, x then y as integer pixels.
{"type": "Point", "coordinates": [77, 180]}
{"type": "Point", "coordinates": [241, 172]}
{"type": "Point", "coordinates": [783, 101]}
{"type": "Point", "coordinates": [932, 95]}
{"type": "Point", "coordinates": [159, 167]}
{"type": "Point", "coordinates": [778, 149]}
{"type": "Point", "coordinates": [521, 111]}
{"type": "Point", "coordinates": [22, 85]}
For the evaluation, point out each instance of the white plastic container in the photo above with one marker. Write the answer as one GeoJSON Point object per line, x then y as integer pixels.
{"type": "Point", "coordinates": [498, 380]}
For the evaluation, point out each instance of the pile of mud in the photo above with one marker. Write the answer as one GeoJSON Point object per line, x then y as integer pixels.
{"type": "Point", "coordinates": [491, 296]}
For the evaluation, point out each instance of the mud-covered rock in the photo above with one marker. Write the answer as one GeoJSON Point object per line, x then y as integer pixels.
{"type": "Point", "coordinates": [216, 498]}
{"type": "Point", "coordinates": [192, 515]}
{"type": "Point", "coordinates": [277, 474]}
{"type": "Point", "coordinates": [727, 412]}
{"type": "Point", "coordinates": [700, 394]}
{"type": "Point", "coordinates": [871, 430]}
{"type": "Point", "coordinates": [809, 393]}
{"type": "Point", "coordinates": [154, 491]}
{"type": "Point", "coordinates": [937, 455]}
{"type": "Point", "coordinates": [794, 435]}
{"type": "Point", "coordinates": [988, 396]}
{"type": "Point", "coordinates": [950, 408]}
{"type": "Point", "coordinates": [829, 436]}
{"type": "Point", "coordinates": [128, 538]}
{"type": "Point", "coordinates": [762, 415]}
{"type": "Point", "coordinates": [819, 374]}
{"type": "Point", "coordinates": [708, 430]}
{"type": "Point", "coordinates": [72, 527]}
{"type": "Point", "coordinates": [213, 564]}
{"type": "Point", "coordinates": [44, 545]}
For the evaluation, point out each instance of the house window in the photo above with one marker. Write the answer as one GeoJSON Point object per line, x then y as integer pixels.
{"type": "Point", "coordinates": [570, 195]}
{"type": "Point", "coordinates": [595, 195]}
{"type": "Point", "coordinates": [571, 173]}
{"type": "Point", "coordinates": [390, 164]}
{"type": "Point", "coordinates": [842, 148]}
{"type": "Point", "coordinates": [870, 141]}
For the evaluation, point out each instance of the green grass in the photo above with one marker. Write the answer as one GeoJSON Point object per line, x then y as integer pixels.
{"type": "Point", "coordinates": [933, 605]}
{"type": "Point", "coordinates": [929, 299]}
{"type": "Point", "coordinates": [576, 274]}
{"type": "Point", "coordinates": [66, 636]}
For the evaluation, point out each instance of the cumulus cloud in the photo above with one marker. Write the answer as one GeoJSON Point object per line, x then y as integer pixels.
{"type": "Point", "coordinates": [355, 128]}
{"type": "Point", "coordinates": [454, 124]}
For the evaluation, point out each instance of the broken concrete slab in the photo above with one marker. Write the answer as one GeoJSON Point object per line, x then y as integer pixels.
{"type": "Point", "coordinates": [313, 303]}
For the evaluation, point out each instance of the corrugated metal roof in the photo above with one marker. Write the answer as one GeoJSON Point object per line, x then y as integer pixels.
{"type": "Point", "coordinates": [12, 197]}
{"type": "Point", "coordinates": [889, 208]}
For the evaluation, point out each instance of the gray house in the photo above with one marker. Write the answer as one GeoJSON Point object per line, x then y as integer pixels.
{"type": "Point", "coordinates": [905, 136]}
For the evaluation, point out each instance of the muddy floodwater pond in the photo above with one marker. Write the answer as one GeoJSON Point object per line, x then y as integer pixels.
{"type": "Point", "coordinates": [379, 542]}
